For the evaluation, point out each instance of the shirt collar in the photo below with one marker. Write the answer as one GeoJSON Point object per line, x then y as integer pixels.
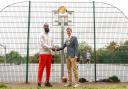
{"type": "Point", "coordinates": [69, 37]}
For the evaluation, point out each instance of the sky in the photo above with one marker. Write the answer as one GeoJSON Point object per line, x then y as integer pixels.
{"type": "Point", "coordinates": [121, 4]}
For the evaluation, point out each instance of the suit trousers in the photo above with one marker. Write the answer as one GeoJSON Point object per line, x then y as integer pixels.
{"type": "Point", "coordinates": [72, 66]}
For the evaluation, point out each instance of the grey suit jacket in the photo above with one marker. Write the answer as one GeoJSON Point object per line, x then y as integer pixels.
{"type": "Point", "coordinates": [72, 46]}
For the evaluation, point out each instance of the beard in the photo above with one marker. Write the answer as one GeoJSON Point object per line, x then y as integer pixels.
{"type": "Point", "coordinates": [46, 30]}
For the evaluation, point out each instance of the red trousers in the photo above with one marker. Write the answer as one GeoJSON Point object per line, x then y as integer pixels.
{"type": "Point", "coordinates": [44, 60]}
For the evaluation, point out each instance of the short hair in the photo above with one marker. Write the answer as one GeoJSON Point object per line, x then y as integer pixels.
{"type": "Point", "coordinates": [69, 28]}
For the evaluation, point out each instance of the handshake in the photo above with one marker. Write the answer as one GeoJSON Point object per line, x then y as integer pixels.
{"type": "Point", "coordinates": [54, 49]}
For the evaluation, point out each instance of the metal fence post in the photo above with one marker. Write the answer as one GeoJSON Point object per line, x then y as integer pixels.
{"type": "Point", "coordinates": [28, 36]}
{"type": "Point", "coordinates": [94, 39]}
{"type": "Point", "coordinates": [62, 52]}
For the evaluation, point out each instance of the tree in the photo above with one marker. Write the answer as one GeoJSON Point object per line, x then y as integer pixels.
{"type": "Point", "coordinates": [83, 47]}
{"type": "Point", "coordinates": [57, 58]}
{"type": "Point", "coordinates": [103, 56]}
{"type": "Point", "coordinates": [2, 59]}
{"type": "Point", "coordinates": [113, 53]}
{"type": "Point", "coordinates": [112, 46]}
{"type": "Point", "coordinates": [14, 57]}
{"type": "Point", "coordinates": [126, 43]}
{"type": "Point", "coordinates": [34, 58]}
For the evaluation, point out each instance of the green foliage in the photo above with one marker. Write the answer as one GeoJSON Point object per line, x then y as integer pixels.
{"type": "Point", "coordinates": [126, 42]}
{"type": "Point", "coordinates": [83, 47]}
{"type": "Point", "coordinates": [114, 79]}
{"type": "Point", "coordinates": [112, 47]}
{"type": "Point", "coordinates": [2, 59]}
{"type": "Point", "coordinates": [112, 53]}
{"type": "Point", "coordinates": [57, 58]}
{"type": "Point", "coordinates": [14, 57]}
{"type": "Point", "coordinates": [23, 61]}
{"type": "Point", "coordinates": [34, 59]}
{"type": "Point", "coordinates": [103, 56]}
{"type": "Point", "coordinates": [3, 86]}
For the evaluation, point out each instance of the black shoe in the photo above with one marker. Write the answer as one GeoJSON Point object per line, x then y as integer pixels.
{"type": "Point", "coordinates": [48, 84]}
{"type": "Point", "coordinates": [39, 86]}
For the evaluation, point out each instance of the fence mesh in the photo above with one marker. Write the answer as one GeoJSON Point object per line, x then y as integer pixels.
{"type": "Point", "coordinates": [111, 40]}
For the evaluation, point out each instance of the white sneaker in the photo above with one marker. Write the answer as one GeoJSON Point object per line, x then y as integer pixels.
{"type": "Point", "coordinates": [76, 85]}
{"type": "Point", "coordinates": [68, 85]}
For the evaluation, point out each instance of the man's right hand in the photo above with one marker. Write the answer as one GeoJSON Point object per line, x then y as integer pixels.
{"type": "Point", "coordinates": [53, 49]}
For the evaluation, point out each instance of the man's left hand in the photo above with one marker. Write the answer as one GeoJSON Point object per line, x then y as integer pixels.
{"type": "Point", "coordinates": [76, 57]}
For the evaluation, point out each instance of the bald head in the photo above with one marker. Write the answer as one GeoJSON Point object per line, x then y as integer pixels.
{"type": "Point", "coordinates": [46, 27]}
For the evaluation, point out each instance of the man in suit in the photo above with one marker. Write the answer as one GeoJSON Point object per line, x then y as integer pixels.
{"type": "Point", "coordinates": [72, 54]}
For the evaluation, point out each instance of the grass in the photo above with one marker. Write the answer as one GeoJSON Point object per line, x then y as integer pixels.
{"type": "Point", "coordinates": [3, 86]}
{"type": "Point", "coordinates": [60, 86]}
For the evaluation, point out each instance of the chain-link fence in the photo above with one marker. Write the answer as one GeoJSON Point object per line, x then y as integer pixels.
{"type": "Point", "coordinates": [100, 28]}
